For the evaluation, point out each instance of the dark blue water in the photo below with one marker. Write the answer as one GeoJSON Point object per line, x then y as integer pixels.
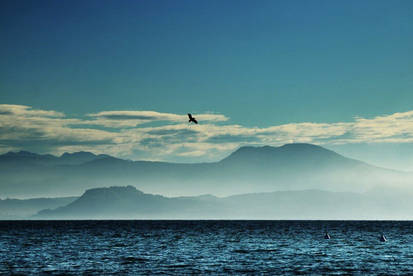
{"type": "Point", "coordinates": [206, 247]}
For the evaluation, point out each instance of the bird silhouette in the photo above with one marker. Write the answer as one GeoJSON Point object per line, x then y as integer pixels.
{"type": "Point", "coordinates": [192, 119]}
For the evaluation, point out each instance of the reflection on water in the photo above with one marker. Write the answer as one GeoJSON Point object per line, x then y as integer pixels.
{"type": "Point", "coordinates": [181, 247]}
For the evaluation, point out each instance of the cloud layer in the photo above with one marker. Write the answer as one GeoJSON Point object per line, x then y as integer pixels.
{"type": "Point", "coordinates": [134, 118]}
{"type": "Point", "coordinates": [129, 134]}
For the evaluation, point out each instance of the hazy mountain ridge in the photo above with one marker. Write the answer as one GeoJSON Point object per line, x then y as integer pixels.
{"type": "Point", "coordinates": [249, 169]}
{"type": "Point", "coordinates": [130, 203]}
{"type": "Point", "coordinates": [24, 208]}
{"type": "Point", "coordinates": [29, 158]}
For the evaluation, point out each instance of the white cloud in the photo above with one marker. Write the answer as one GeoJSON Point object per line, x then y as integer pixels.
{"type": "Point", "coordinates": [119, 119]}
{"type": "Point", "coordinates": [22, 127]}
{"type": "Point", "coordinates": [27, 111]}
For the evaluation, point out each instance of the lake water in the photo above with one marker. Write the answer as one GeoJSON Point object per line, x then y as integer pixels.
{"type": "Point", "coordinates": [205, 247]}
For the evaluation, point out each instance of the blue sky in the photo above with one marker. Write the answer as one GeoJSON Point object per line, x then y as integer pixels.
{"type": "Point", "coordinates": [258, 64]}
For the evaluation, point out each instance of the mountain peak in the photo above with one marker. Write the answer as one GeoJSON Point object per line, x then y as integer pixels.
{"type": "Point", "coordinates": [76, 158]}
{"type": "Point", "coordinates": [290, 146]}
{"type": "Point", "coordinates": [20, 153]}
{"type": "Point", "coordinates": [287, 151]}
{"type": "Point", "coordinates": [127, 190]}
{"type": "Point", "coordinates": [78, 154]}
{"type": "Point", "coordinates": [302, 146]}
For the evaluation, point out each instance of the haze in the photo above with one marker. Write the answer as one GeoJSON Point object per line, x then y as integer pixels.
{"type": "Point", "coordinates": [309, 98]}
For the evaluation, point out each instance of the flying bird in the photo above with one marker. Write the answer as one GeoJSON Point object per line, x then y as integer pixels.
{"type": "Point", "coordinates": [192, 119]}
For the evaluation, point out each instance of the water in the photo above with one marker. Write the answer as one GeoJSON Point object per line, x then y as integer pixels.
{"type": "Point", "coordinates": [205, 247]}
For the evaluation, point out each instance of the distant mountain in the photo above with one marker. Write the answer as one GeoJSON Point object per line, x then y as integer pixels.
{"type": "Point", "coordinates": [130, 203]}
{"type": "Point", "coordinates": [24, 208]}
{"type": "Point", "coordinates": [291, 159]}
{"type": "Point", "coordinates": [301, 156]}
{"type": "Point", "coordinates": [23, 158]}
{"type": "Point", "coordinates": [80, 157]}
{"type": "Point", "coordinates": [247, 170]}
{"type": "Point", "coordinates": [33, 159]}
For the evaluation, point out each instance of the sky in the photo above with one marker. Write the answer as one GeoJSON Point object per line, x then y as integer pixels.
{"type": "Point", "coordinates": [118, 77]}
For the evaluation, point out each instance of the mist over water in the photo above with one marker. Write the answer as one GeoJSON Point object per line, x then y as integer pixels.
{"type": "Point", "coordinates": [215, 247]}
{"type": "Point", "coordinates": [294, 181]}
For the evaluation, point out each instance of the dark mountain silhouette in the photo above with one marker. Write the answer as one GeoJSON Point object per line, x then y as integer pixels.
{"type": "Point", "coordinates": [130, 203]}
{"type": "Point", "coordinates": [29, 158]}
{"type": "Point", "coordinates": [23, 158]}
{"type": "Point", "coordinates": [298, 153]}
{"type": "Point", "coordinates": [80, 157]}
{"type": "Point", "coordinates": [249, 169]}
{"type": "Point", "coordinates": [291, 160]}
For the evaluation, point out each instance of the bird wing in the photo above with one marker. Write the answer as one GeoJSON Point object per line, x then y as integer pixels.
{"type": "Point", "coordinates": [190, 116]}
{"type": "Point", "coordinates": [195, 121]}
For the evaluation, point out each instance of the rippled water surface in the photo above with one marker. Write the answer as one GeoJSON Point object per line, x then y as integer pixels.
{"type": "Point", "coordinates": [214, 247]}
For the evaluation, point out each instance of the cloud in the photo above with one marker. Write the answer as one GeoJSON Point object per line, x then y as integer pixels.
{"type": "Point", "coordinates": [171, 131]}
{"type": "Point", "coordinates": [229, 138]}
{"type": "Point", "coordinates": [27, 111]}
{"type": "Point", "coordinates": [119, 119]}
{"type": "Point", "coordinates": [22, 127]}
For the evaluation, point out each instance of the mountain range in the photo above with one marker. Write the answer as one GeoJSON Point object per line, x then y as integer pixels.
{"type": "Point", "coordinates": [130, 203]}
{"type": "Point", "coordinates": [247, 170]}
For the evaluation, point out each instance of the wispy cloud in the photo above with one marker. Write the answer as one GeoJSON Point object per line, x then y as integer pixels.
{"type": "Point", "coordinates": [23, 110]}
{"type": "Point", "coordinates": [133, 118]}
{"type": "Point", "coordinates": [22, 127]}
